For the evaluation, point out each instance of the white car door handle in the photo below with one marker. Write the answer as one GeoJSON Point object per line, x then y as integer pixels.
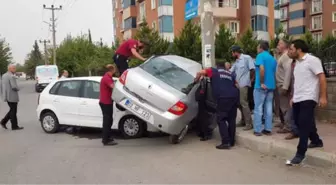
{"type": "Point", "coordinates": [83, 103]}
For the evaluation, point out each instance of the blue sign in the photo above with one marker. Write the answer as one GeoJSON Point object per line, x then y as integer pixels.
{"type": "Point", "coordinates": [191, 9]}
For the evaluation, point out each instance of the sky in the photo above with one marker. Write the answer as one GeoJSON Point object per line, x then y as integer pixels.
{"type": "Point", "coordinates": [22, 22]}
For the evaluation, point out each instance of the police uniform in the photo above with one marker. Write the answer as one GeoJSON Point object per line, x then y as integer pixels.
{"type": "Point", "coordinates": [226, 93]}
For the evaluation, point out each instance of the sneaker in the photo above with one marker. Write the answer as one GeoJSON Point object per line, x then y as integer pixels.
{"type": "Point", "coordinates": [17, 128]}
{"type": "Point", "coordinates": [3, 125]}
{"type": "Point", "coordinates": [297, 160]}
{"type": "Point", "coordinates": [283, 131]}
{"type": "Point", "coordinates": [266, 132]}
{"type": "Point", "coordinates": [291, 136]}
{"type": "Point", "coordinates": [223, 146]}
{"type": "Point", "coordinates": [257, 133]}
{"type": "Point", "coordinates": [248, 127]}
{"type": "Point", "coordinates": [110, 143]}
{"type": "Point", "coordinates": [312, 145]}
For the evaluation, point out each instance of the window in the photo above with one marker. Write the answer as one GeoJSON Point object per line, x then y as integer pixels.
{"type": "Point", "coordinates": [165, 2]}
{"type": "Point", "coordinates": [259, 2]}
{"type": "Point", "coordinates": [142, 11]}
{"type": "Point", "coordinates": [317, 36]}
{"type": "Point", "coordinates": [128, 3]}
{"type": "Point", "coordinates": [169, 73]}
{"type": "Point", "coordinates": [253, 24]}
{"type": "Point", "coordinates": [129, 23]}
{"type": "Point", "coordinates": [297, 30]}
{"type": "Point", "coordinates": [283, 13]}
{"type": "Point", "coordinates": [333, 1]}
{"type": "Point", "coordinates": [260, 23]}
{"type": "Point", "coordinates": [69, 88]}
{"type": "Point", "coordinates": [227, 3]}
{"type": "Point", "coordinates": [283, 2]}
{"type": "Point", "coordinates": [316, 6]}
{"type": "Point", "coordinates": [54, 89]}
{"type": "Point", "coordinates": [317, 22]}
{"type": "Point", "coordinates": [153, 4]}
{"type": "Point", "coordinates": [234, 27]}
{"type": "Point", "coordinates": [91, 90]}
{"type": "Point", "coordinates": [297, 14]}
{"type": "Point", "coordinates": [334, 16]}
{"type": "Point", "coordinates": [334, 32]}
{"type": "Point", "coordinates": [166, 24]}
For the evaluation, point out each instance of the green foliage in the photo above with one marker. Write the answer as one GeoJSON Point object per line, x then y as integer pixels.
{"type": "Point", "coordinates": [20, 68]}
{"type": "Point", "coordinates": [224, 41]}
{"type": "Point", "coordinates": [313, 45]}
{"type": "Point", "coordinates": [33, 59]}
{"type": "Point", "coordinates": [80, 56]}
{"type": "Point", "coordinates": [248, 43]}
{"type": "Point", "coordinates": [326, 48]}
{"type": "Point", "coordinates": [158, 45]}
{"type": "Point", "coordinates": [189, 43]}
{"type": "Point", "coordinates": [5, 55]}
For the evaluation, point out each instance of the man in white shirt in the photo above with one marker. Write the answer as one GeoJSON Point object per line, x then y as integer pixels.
{"type": "Point", "coordinates": [310, 89]}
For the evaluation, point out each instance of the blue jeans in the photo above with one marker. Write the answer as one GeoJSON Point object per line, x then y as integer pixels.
{"type": "Point", "coordinates": [263, 104]}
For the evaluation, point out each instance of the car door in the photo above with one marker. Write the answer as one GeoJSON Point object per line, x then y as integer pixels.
{"type": "Point", "coordinates": [66, 101]}
{"type": "Point", "coordinates": [89, 109]}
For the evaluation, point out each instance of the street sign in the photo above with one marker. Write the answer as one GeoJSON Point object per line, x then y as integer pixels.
{"type": "Point", "coordinates": [191, 9]}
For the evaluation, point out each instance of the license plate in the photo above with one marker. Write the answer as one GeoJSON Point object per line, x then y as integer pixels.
{"type": "Point", "coordinates": [143, 113]}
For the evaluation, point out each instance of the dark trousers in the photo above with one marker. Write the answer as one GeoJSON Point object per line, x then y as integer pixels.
{"type": "Point", "coordinates": [107, 110]}
{"type": "Point", "coordinates": [304, 118]}
{"type": "Point", "coordinates": [204, 121]}
{"type": "Point", "coordinates": [226, 119]}
{"type": "Point", "coordinates": [121, 63]}
{"type": "Point", "coordinates": [11, 115]}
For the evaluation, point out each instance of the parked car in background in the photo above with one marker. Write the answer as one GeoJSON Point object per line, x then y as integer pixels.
{"type": "Point", "coordinates": [161, 92]}
{"type": "Point", "coordinates": [45, 74]}
{"type": "Point", "coordinates": [75, 102]}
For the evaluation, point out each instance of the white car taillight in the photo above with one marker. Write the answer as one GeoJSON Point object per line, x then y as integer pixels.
{"type": "Point", "coordinates": [179, 108]}
{"type": "Point", "coordinates": [122, 78]}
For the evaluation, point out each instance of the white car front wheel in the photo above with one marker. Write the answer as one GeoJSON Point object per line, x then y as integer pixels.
{"type": "Point", "coordinates": [49, 123]}
{"type": "Point", "coordinates": [132, 127]}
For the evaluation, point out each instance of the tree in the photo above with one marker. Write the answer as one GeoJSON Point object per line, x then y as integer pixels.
{"type": "Point", "coordinates": [19, 68]}
{"type": "Point", "coordinates": [80, 56]}
{"type": "Point", "coordinates": [280, 33]}
{"type": "Point", "coordinates": [313, 45]}
{"type": "Point", "coordinates": [248, 42]}
{"type": "Point", "coordinates": [189, 43]}
{"type": "Point", "coordinates": [5, 55]}
{"type": "Point", "coordinates": [33, 59]}
{"type": "Point", "coordinates": [224, 41]}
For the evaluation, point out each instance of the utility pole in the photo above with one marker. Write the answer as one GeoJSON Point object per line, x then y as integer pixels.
{"type": "Point", "coordinates": [53, 26]}
{"type": "Point", "coordinates": [208, 33]}
{"type": "Point", "coordinates": [45, 50]}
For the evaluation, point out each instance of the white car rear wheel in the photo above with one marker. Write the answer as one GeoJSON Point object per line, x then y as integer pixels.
{"type": "Point", "coordinates": [49, 123]}
{"type": "Point", "coordinates": [132, 127]}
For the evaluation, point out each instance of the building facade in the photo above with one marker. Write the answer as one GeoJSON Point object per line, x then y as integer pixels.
{"type": "Point", "coordinates": [167, 16]}
{"type": "Point", "coordinates": [316, 16]}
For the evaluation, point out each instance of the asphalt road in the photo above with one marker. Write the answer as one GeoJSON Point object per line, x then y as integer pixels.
{"type": "Point", "coordinates": [31, 156]}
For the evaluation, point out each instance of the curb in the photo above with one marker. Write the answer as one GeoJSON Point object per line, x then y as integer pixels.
{"type": "Point", "coordinates": [270, 146]}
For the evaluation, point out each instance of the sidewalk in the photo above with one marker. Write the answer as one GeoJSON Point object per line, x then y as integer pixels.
{"type": "Point", "coordinates": [277, 145]}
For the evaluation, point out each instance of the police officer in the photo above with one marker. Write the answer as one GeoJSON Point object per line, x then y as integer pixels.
{"type": "Point", "coordinates": [225, 91]}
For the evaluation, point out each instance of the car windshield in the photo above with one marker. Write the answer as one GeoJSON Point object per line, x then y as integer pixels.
{"type": "Point", "coordinates": [169, 73]}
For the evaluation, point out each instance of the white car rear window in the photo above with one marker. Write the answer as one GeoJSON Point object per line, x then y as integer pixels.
{"type": "Point", "coordinates": [169, 73]}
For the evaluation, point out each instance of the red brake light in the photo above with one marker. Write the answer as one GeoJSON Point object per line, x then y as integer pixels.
{"type": "Point", "coordinates": [122, 78]}
{"type": "Point", "coordinates": [179, 108]}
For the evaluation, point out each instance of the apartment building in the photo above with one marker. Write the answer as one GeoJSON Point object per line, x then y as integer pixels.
{"type": "Point", "coordinates": [167, 16]}
{"type": "Point", "coordinates": [316, 16]}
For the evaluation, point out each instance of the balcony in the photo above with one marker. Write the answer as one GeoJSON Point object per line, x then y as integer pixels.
{"type": "Point", "coordinates": [140, 19]}
{"type": "Point", "coordinates": [224, 8]}
{"type": "Point", "coordinates": [316, 10]}
{"type": "Point", "coordinates": [165, 10]}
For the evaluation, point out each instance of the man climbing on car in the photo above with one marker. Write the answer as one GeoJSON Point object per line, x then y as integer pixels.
{"type": "Point", "coordinates": [127, 49]}
{"type": "Point", "coordinates": [225, 91]}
